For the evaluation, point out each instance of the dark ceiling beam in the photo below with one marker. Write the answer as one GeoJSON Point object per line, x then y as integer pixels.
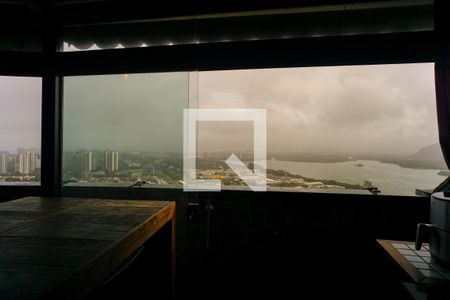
{"type": "Point", "coordinates": [16, 63]}
{"type": "Point", "coordinates": [343, 50]}
{"type": "Point", "coordinates": [117, 11]}
{"type": "Point", "coordinates": [27, 3]}
{"type": "Point", "coordinates": [72, 2]}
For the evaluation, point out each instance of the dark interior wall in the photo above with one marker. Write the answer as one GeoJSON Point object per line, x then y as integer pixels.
{"type": "Point", "coordinates": [8, 193]}
{"type": "Point", "coordinates": [276, 244]}
{"type": "Point", "coordinates": [281, 244]}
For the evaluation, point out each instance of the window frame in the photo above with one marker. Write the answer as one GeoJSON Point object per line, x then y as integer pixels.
{"type": "Point", "coordinates": [355, 50]}
{"type": "Point", "coordinates": [21, 70]}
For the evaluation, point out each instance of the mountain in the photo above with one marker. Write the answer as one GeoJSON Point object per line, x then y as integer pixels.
{"type": "Point", "coordinates": [428, 157]}
{"type": "Point", "coordinates": [430, 152]}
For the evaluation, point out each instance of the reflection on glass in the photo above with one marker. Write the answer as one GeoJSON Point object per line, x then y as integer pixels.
{"type": "Point", "coordinates": [124, 129]}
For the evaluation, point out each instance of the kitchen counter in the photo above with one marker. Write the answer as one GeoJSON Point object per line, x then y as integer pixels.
{"type": "Point", "coordinates": [424, 274]}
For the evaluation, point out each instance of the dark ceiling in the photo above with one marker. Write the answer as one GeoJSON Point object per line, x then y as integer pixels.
{"type": "Point", "coordinates": [86, 11]}
{"type": "Point", "coordinates": [23, 22]}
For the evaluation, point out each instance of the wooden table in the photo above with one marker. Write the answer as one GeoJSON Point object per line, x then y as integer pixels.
{"type": "Point", "coordinates": [62, 248]}
{"type": "Point", "coordinates": [430, 279]}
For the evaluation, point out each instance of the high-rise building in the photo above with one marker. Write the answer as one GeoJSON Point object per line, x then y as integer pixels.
{"type": "Point", "coordinates": [111, 161]}
{"type": "Point", "coordinates": [25, 163]}
{"type": "Point", "coordinates": [87, 161]}
{"type": "Point", "coordinates": [99, 161]}
{"type": "Point", "coordinates": [32, 159]}
{"type": "Point", "coordinates": [18, 163]}
{"type": "Point", "coordinates": [115, 161]}
{"type": "Point", "coordinates": [106, 161]}
{"type": "Point", "coordinates": [3, 163]}
{"type": "Point", "coordinates": [38, 161]}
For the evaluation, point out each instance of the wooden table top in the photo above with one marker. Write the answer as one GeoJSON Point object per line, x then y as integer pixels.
{"type": "Point", "coordinates": [60, 248]}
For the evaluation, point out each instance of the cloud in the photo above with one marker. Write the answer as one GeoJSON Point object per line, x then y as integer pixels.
{"type": "Point", "coordinates": [379, 108]}
{"type": "Point", "coordinates": [20, 113]}
{"type": "Point", "coordinates": [141, 112]}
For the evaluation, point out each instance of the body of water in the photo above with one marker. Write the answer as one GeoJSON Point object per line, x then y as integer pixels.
{"type": "Point", "coordinates": [391, 179]}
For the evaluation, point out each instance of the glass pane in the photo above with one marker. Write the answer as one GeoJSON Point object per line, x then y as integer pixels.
{"type": "Point", "coordinates": [20, 130]}
{"type": "Point", "coordinates": [124, 129]}
{"type": "Point", "coordinates": [345, 128]}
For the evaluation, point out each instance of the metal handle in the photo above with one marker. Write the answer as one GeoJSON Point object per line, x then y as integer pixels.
{"type": "Point", "coordinates": [193, 211]}
{"type": "Point", "coordinates": [420, 232]}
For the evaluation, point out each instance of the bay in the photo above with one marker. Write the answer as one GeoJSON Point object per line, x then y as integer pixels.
{"type": "Point", "coordinates": [391, 179]}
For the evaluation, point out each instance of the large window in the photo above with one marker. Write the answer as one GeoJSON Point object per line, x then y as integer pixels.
{"type": "Point", "coordinates": [363, 129]}
{"type": "Point", "coordinates": [20, 130]}
{"type": "Point", "coordinates": [347, 128]}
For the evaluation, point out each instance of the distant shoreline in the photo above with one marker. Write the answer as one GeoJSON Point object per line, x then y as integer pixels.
{"type": "Point", "coordinates": [404, 163]}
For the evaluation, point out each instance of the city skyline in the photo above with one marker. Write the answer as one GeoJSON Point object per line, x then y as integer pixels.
{"type": "Point", "coordinates": [24, 161]}
{"type": "Point", "coordinates": [110, 167]}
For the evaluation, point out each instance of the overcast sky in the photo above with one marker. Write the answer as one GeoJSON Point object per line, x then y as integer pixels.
{"type": "Point", "coordinates": [20, 113]}
{"type": "Point", "coordinates": [136, 112]}
{"type": "Point", "coordinates": [354, 109]}
{"type": "Point", "coordinates": [382, 109]}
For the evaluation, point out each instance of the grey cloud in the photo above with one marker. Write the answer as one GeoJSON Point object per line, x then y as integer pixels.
{"type": "Point", "coordinates": [140, 112]}
{"type": "Point", "coordinates": [381, 108]}
{"type": "Point", "coordinates": [20, 112]}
